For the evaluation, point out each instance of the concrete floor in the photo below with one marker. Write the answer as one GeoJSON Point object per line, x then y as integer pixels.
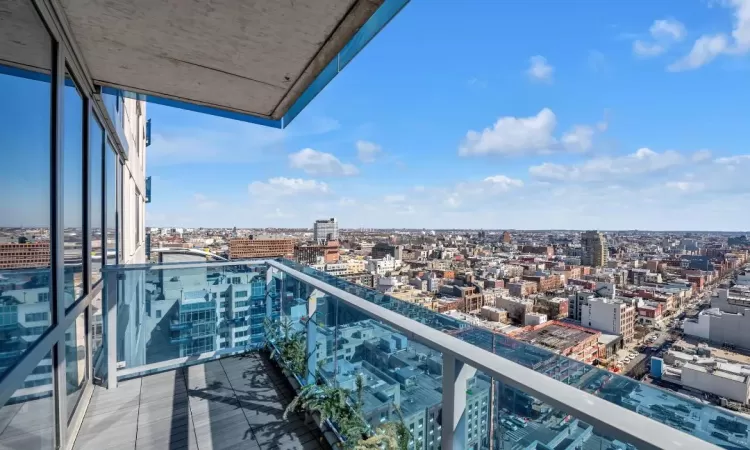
{"type": "Point", "coordinates": [230, 403]}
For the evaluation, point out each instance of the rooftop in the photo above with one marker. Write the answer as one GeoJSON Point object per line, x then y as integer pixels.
{"type": "Point", "coordinates": [555, 335]}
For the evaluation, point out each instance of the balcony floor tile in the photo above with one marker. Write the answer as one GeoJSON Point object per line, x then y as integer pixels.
{"type": "Point", "coordinates": [227, 404]}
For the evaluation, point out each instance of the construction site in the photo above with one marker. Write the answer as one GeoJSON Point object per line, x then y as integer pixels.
{"type": "Point", "coordinates": [569, 340]}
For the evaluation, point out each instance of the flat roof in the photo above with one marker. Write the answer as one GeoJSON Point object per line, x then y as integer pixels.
{"type": "Point", "coordinates": [555, 335]}
{"type": "Point", "coordinates": [251, 60]}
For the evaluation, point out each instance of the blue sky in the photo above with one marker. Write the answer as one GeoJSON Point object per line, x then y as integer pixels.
{"type": "Point", "coordinates": [539, 114]}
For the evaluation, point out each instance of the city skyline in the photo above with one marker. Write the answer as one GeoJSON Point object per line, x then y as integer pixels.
{"type": "Point", "coordinates": [607, 126]}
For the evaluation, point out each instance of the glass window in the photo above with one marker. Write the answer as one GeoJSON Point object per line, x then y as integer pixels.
{"type": "Point", "coordinates": [73, 191]}
{"type": "Point", "coordinates": [24, 178]}
{"type": "Point", "coordinates": [75, 361]}
{"type": "Point", "coordinates": [96, 162]}
{"type": "Point", "coordinates": [110, 199]}
{"type": "Point", "coordinates": [28, 418]}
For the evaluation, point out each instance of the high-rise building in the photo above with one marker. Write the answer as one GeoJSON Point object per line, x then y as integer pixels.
{"type": "Point", "coordinates": [326, 230]}
{"type": "Point", "coordinates": [594, 247]}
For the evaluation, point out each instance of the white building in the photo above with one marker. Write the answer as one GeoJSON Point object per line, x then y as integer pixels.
{"type": "Point", "coordinates": [325, 230]}
{"type": "Point", "coordinates": [533, 318]}
{"type": "Point", "coordinates": [611, 316]}
{"type": "Point", "coordinates": [383, 266]}
{"type": "Point", "coordinates": [743, 278]}
{"type": "Point", "coordinates": [707, 374]}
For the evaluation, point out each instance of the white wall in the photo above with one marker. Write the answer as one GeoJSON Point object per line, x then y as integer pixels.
{"type": "Point", "coordinates": [698, 329]}
{"type": "Point", "coordinates": [723, 387]}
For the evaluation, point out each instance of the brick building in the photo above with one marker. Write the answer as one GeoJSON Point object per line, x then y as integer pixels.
{"type": "Point", "coordinates": [24, 256]}
{"type": "Point", "coordinates": [309, 253]}
{"type": "Point", "coordinates": [248, 248]}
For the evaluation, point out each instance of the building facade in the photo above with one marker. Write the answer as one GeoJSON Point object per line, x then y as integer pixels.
{"type": "Point", "coordinates": [610, 316]}
{"type": "Point", "coordinates": [594, 249]}
{"type": "Point", "coordinates": [325, 230]}
{"type": "Point", "coordinates": [248, 248]}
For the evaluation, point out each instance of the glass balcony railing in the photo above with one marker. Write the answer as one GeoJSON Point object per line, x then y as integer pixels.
{"type": "Point", "coordinates": [439, 377]}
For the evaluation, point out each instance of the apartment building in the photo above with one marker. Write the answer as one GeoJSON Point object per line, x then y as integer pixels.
{"type": "Point", "coordinates": [594, 249]}
{"type": "Point", "coordinates": [613, 316]}
{"type": "Point", "coordinates": [325, 230]}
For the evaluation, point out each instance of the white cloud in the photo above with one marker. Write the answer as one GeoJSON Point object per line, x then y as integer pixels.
{"type": "Point", "coordinates": [646, 49]}
{"type": "Point", "coordinates": [282, 187]}
{"type": "Point", "coordinates": [203, 202]}
{"type": "Point", "coordinates": [580, 138]}
{"type": "Point", "coordinates": [512, 135]}
{"type": "Point", "coordinates": [503, 182]}
{"type": "Point", "coordinates": [709, 46]}
{"type": "Point", "coordinates": [394, 198]}
{"type": "Point", "coordinates": [314, 162]}
{"type": "Point", "coordinates": [685, 186]}
{"type": "Point", "coordinates": [527, 135]}
{"type": "Point", "coordinates": [670, 29]}
{"type": "Point", "coordinates": [664, 33]}
{"type": "Point", "coordinates": [705, 50]}
{"type": "Point", "coordinates": [367, 151]}
{"type": "Point", "coordinates": [733, 160]}
{"type": "Point", "coordinates": [539, 69]}
{"type": "Point", "coordinates": [643, 161]}
{"type": "Point", "coordinates": [701, 155]}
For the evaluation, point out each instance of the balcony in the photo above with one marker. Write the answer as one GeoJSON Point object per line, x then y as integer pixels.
{"type": "Point", "coordinates": [413, 363]}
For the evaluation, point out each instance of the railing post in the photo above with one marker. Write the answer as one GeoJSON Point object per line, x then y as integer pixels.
{"type": "Point", "coordinates": [109, 323]}
{"type": "Point", "coordinates": [270, 287]}
{"type": "Point", "coordinates": [455, 376]}
{"type": "Point", "coordinates": [312, 336]}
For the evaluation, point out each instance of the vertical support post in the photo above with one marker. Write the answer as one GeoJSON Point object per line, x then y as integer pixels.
{"type": "Point", "coordinates": [110, 326]}
{"type": "Point", "coordinates": [312, 336]}
{"type": "Point", "coordinates": [270, 288]}
{"type": "Point", "coordinates": [455, 376]}
{"type": "Point", "coordinates": [57, 262]}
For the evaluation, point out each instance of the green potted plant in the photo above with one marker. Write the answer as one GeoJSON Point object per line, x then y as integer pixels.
{"type": "Point", "coordinates": [333, 403]}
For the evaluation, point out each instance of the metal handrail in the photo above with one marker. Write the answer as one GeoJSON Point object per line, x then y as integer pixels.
{"type": "Point", "coordinates": [606, 417]}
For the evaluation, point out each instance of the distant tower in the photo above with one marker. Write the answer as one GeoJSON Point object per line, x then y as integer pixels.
{"type": "Point", "coordinates": [594, 249]}
{"type": "Point", "coordinates": [325, 230]}
{"type": "Point", "coordinates": [506, 237]}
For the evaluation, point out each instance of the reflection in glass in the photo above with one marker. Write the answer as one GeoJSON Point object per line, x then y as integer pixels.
{"type": "Point", "coordinates": [75, 361]}
{"type": "Point", "coordinates": [73, 192]}
{"type": "Point", "coordinates": [175, 313]}
{"type": "Point", "coordinates": [96, 162]}
{"type": "Point", "coordinates": [110, 199]}
{"type": "Point", "coordinates": [24, 182]}
{"type": "Point", "coordinates": [96, 324]}
{"type": "Point", "coordinates": [27, 420]}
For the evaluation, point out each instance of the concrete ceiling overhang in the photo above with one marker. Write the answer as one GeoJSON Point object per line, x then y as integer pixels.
{"type": "Point", "coordinates": [255, 60]}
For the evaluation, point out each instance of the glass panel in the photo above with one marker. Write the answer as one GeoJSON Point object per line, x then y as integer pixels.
{"type": "Point", "coordinates": [96, 325]}
{"type": "Point", "coordinates": [73, 191]}
{"type": "Point", "coordinates": [27, 420]}
{"type": "Point", "coordinates": [75, 361]}
{"type": "Point", "coordinates": [110, 198]}
{"type": "Point", "coordinates": [703, 421]}
{"type": "Point", "coordinates": [401, 379]}
{"type": "Point", "coordinates": [96, 156]}
{"type": "Point", "coordinates": [175, 313]}
{"type": "Point", "coordinates": [24, 181]}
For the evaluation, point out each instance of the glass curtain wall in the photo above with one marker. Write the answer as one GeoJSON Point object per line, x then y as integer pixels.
{"type": "Point", "coordinates": [54, 161]}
